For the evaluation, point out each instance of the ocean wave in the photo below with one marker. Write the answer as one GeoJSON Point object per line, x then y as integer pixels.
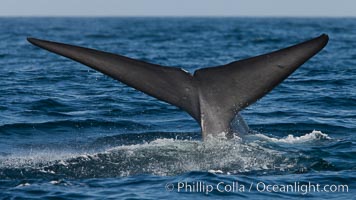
{"type": "Point", "coordinates": [309, 137]}
{"type": "Point", "coordinates": [167, 157]}
{"type": "Point", "coordinates": [101, 36]}
{"type": "Point", "coordinates": [23, 128]}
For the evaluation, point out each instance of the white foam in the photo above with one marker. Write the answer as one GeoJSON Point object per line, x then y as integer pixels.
{"type": "Point", "coordinates": [170, 157]}
{"type": "Point", "coordinates": [215, 171]}
{"type": "Point", "coordinates": [314, 135]}
{"type": "Point", "coordinates": [35, 158]}
{"type": "Point", "coordinates": [214, 155]}
{"type": "Point", "coordinates": [54, 182]}
{"type": "Point", "coordinates": [23, 185]}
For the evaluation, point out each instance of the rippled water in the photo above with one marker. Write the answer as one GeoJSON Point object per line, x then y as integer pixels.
{"type": "Point", "coordinates": [69, 132]}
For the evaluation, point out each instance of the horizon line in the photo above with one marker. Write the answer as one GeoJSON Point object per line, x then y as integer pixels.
{"type": "Point", "coordinates": [180, 16]}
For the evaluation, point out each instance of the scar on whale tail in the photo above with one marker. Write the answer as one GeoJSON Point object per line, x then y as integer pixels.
{"type": "Point", "coordinates": [212, 96]}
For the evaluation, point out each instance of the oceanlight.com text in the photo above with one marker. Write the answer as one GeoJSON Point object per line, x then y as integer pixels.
{"type": "Point", "coordinates": [237, 187]}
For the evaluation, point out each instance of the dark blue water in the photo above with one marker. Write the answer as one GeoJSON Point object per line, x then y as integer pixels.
{"type": "Point", "coordinates": [68, 132]}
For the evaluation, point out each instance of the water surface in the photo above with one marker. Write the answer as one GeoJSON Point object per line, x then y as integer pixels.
{"type": "Point", "coordinates": [70, 132]}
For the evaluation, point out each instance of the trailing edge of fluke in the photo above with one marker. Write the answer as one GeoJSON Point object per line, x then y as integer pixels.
{"type": "Point", "coordinates": [212, 96]}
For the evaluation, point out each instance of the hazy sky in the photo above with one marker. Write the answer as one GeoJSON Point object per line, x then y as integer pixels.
{"type": "Point", "coordinates": [331, 8]}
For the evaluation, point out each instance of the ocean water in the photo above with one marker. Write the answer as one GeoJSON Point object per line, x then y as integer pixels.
{"type": "Point", "coordinates": [68, 132]}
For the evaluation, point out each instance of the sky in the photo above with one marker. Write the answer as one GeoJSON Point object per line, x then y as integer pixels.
{"type": "Point", "coordinates": [292, 8]}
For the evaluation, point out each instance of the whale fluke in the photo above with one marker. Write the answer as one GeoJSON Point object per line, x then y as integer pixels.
{"type": "Point", "coordinates": [212, 96]}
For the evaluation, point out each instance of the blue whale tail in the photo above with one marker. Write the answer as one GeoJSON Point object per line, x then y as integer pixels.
{"type": "Point", "coordinates": [213, 96]}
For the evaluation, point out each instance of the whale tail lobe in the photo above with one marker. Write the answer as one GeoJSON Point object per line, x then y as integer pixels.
{"type": "Point", "coordinates": [212, 96]}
